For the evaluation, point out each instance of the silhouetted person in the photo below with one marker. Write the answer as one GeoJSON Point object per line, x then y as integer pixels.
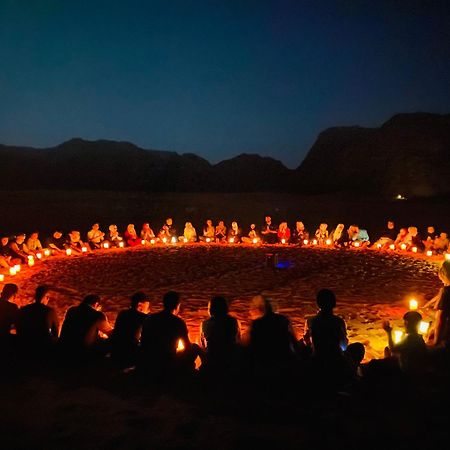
{"type": "Point", "coordinates": [38, 325]}
{"type": "Point", "coordinates": [9, 312]}
{"type": "Point", "coordinates": [80, 332]}
{"type": "Point", "coordinates": [220, 335]}
{"type": "Point", "coordinates": [269, 231]}
{"type": "Point", "coordinates": [126, 336]}
{"type": "Point", "coordinates": [272, 340]}
{"type": "Point", "coordinates": [162, 334]}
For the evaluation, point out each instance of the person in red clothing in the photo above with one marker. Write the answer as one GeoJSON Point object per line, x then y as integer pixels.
{"type": "Point", "coordinates": [284, 233]}
{"type": "Point", "coordinates": [131, 236]}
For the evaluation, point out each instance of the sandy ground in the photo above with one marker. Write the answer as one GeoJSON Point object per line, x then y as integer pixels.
{"type": "Point", "coordinates": [110, 410]}
{"type": "Point", "coordinates": [370, 286]}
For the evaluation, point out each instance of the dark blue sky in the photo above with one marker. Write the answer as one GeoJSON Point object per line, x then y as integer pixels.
{"type": "Point", "coordinates": [217, 78]}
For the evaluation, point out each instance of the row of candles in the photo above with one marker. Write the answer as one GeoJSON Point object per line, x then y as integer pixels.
{"type": "Point", "coordinates": [424, 326]}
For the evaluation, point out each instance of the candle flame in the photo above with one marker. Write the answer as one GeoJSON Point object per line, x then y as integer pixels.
{"type": "Point", "coordinates": [68, 251]}
{"type": "Point", "coordinates": [305, 242]}
{"type": "Point", "coordinates": [152, 241]}
{"type": "Point", "coordinates": [84, 249]}
{"type": "Point", "coordinates": [174, 240]}
{"type": "Point", "coordinates": [47, 252]}
{"type": "Point", "coordinates": [255, 241]}
{"type": "Point", "coordinates": [392, 247]}
{"type": "Point", "coordinates": [423, 327]}
{"type": "Point", "coordinates": [2, 277]}
{"type": "Point", "coordinates": [231, 240]}
{"type": "Point", "coordinates": [398, 335]}
{"type": "Point", "coordinates": [328, 242]}
{"type": "Point", "coordinates": [283, 241]}
{"type": "Point", "coordinates": [12, 270]}
{"type": "Point", "coordinates": [180, 345]}
{"type": "Point", "coordinates": [413, 304]}
{"type": "Point", "coordinates": [429, 253]}
{"type": "Point", "coordinates": [208, 240]}
{"type": "Point", "coordinates": [414, 249]}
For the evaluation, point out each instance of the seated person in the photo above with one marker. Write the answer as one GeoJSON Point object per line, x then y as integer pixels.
{"type": "Point", "coordinates": [269, 231]}
{"type": "Point", "coordinates": [441, 243]}
{"type": "Point", "coordinates": [208, 231]}
{"type": "Point", "coordinates": [95, 237]}
{"type": "Point", "coordinates": [160, 338]}
{"type": "Point", "coordinates": [82, 328]}
{"type": "Point", "coordinates": [131, 236]}
{"type": "Point", "coordinates": [321, 234]}
{"type": "Point", "coordinates": [234, 234]}
{"type": "Point", "coordinates": [402, 237]}
{"type": "Point", "coordinates": [33, 243]}
{"type": "Point", "coordinates": [147, 233]}
{"type": "Point", "coordinates": [56, 242]}
{"type": "Point", "coordinates": [219, 335]}
{"type": "Point", "coordinates": [411, 351]}
{"type": "Point", "coordinates": [38, 325]}
{"type": "Point", "coordinates": [6, 254]}
{"type": "Point", "coordinates": [338, 236]}
{"type": "Point", "coordinates": [4, 262]}
{"type": "Point", "coordinates": [19, 249]}
{"type": "Point", "coordinates": [284, 233]}
{"type": "Point", "coordinates": [113, 237]}
{"type": "Point", "coordinates": [189, 233]}
{"type": "Point", "coordinates": [362, 237]}
{"type": "Point", "coordinates": [430, 236]}
{"type": "Point", "coordinates": [75, 243]}
{"type": "Point", "coordinates": [9, 313]}
{"type": "Point", "coordinates": [352, 234]}
{"type": "Point", "coordinates": [126, 337]}
{"type": "Point", "coordinates": [300, 234]}
{"type": "Point", "coordinates": [221, 232]}
{"type": "Point", "coordinates": [272, 341]}
{"type": "Point", "coordinates": [413, 239]}
{"type": "Point", "coordinates": [168, 230]}
{"type": "Point", "coordinates": [251, 236]}
{"type": "Point", "coordinates": [387, 236]}
{"type": "Point", "coordinates": [326, 333]}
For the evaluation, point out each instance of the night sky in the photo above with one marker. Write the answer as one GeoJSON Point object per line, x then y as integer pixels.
{"type": "Point", "coordinates": [217, 78]}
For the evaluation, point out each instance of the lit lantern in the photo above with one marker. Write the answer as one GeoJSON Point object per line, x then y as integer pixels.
{"type": "Point", "coordinates": [30, 257]}
{"type": "Point", "coordinates": [143, 242]}
{"type": "Point", "coordinates": [414, 249]}
{"type": "Point", "coordinates": [255, 241]}
{"type": "Point", "coordinates": [283, 241]}
{"type": "Point", "coordinates": [39, 255]}
{"type": "Point", "coordinates": [378, 246]}
{"type": "Point", "coordinates": [447, 256]}
{"type": "Point", "coordinates": [68, 251]}
{"type": "Point", "coordinates": [164, 239]}
{"type": "Point", "coordinates": [152, 241]}
{"type": "Point", "coordinates": [392, 246]}
{"type": "Point", "coordinates": [231, 240]}
{"type": "Point", "coordinates": [17, 267]}
{"type": "Point", "coordinates": [121, 245]}
{"type": "Point", "coordinates": [31, 262]}
{"type": "Point", "coordinates": [174, 240]}
{"type": "Point", "coordinates": [305, 242]}
{"type": "Point", "coordinates": [12, 270]}
{"type": "Point", "coordinates": [357, 244]}
{"type": "Point", "coordinates": [413, 304]}
{"type": "Point", "coordinates": [403, 246]}
{"type": "Point", "coordinates": [314, 242]}
{"type": "Point", "coordinates": [424, 327]}
{"type": "Point", "coordinates": [398, 335]}
{"type": "Point", "coordinates": [47, 252]}
{"type": "Point", "coordinates": [2, 277]}
{"type": "Point", "coordinates": [180, 345]}
{"type": "Point", "coordinates": [208, 240]}
{"type": "Point", "coordinates": [429, 253]}
{"type": "Point", "coordinates": [84, 249]}
{"type": "Point", "coordinates": [328, 242]}
{"type": "Point", "coordinates": [185, 240]}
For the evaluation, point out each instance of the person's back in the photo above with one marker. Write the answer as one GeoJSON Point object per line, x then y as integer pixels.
{"type": "Point", "coordinates": [9, 311]}
{"type": "Point", "coordinates": [37, 324]}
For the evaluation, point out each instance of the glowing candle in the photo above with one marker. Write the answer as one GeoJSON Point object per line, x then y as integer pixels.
{"type": "Point", "coordinates": [121, 244]}
{"type": "Point", "coordinates": [305, 242]}
{"type": "Point", "coordinates": [47, 252]}
{"type": "Point", "coordinates": [39, 255]}
{"type": "Point", "coordinates": [208, 240]}
{"type": "Point", "coordinates": [231, 240]}
{"type": "Point", "coordinates": [398, 335]}
{"type": "Point", "coordinates": [31, 262]}
{"type": "Point", "coordinates": [180, 345]}
{"type": "Point", "coordinates": [106, 245]}
{"type": "Point", "coordinates": [12, 270]}
{"type": "Point", "coordinates": [429, 253]}
{"type": "Point", "coordinates": [174, 240]}
{"type": "Point", "coordinates": [30, 257]}
{"type": "Point", "coordinates": [68, 251]}
{"type": "Point", "coordinates": [392, 247]}
{"type": "Point", "coordinates": [413, 304]}
{"type": "Point", "coordinates": [283, 241]}
{"type": "Point", "coordinates": [84, 249]}
{"type": "Point", "coordinates": [143, 242]}
{"type": "Point", "coordinates": [447, 256]}
{"type": "Point", "coordinates": [414, 249]}
{"type": "Point", "coordinates": [378, 246]}
{"type": "Point", "coordinates": [17, 267]}
{"type": "Point", "coordinates": [164, 239]}
{"type": "Point", "coordinates": [423, 327]}
{"type": "Point", "coordinates": [356, 244]}
{"type": "Point", "coordinates": [328, 242]}
{"type": "Point", "coordinates": [2, 277]}
{"type": "Point", "coordinates": [185, 240]}
{"type": "Point", "coordinates": [403, 246]}
{"type": "Point", "coordinates": [255, 241]}
{"type": "Point", "coordinates": [314, 242]}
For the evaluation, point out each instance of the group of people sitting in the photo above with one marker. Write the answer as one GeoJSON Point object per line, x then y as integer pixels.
{"type": "Point", "coordinates": [157, 344]}
{"type": "Point", "coordinates": [18, 249]}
